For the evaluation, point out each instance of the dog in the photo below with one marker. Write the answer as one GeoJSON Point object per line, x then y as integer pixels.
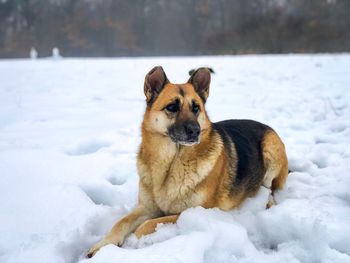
{"type": "Point", "coordinates": [185, 160]}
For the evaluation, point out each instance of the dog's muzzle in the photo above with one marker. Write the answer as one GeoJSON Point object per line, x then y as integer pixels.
{"type": "Point", "coordinates": [186, 134]}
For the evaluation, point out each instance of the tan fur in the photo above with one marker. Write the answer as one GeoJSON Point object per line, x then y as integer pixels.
{"type": "Point", "coordinates": [175, 177]}
{"type": "Point", "coordinates": [275, 161]}
{"type": "Point", "coordinates": [276, 164]}
{"type": "Point", "coordinates": [149, 226]}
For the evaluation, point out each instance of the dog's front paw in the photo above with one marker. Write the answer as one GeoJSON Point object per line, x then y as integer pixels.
{"type": "Point", "coordinates": [104, 242]}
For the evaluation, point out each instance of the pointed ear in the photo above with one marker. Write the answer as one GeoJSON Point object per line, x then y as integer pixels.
{"type": "Point", "coordinates": [154, 83]}
{"type": "Point", "coordinates": [200, 79]}
{"type": "Point", "coordinates": [193, 70]}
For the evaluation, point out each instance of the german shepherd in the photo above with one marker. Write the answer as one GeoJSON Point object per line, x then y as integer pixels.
{"type": "Point", "coordinates": [185, 160]}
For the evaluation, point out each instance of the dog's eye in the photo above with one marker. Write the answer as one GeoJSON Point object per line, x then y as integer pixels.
{"type": "Point", "coordinates": [195, 108]}
{"type": "Point", "coordinates": [173, 107]}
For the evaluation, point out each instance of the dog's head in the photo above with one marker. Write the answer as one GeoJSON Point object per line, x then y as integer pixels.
{"type": "Point", "coordinates": [177, 110]}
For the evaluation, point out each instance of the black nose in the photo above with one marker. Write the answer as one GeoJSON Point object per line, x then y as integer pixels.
{"type": "Point", "coordinates": [192, 129]}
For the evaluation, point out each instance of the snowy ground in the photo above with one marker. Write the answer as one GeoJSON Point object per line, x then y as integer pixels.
{"type": "Point", "coordinates": [69, 132]}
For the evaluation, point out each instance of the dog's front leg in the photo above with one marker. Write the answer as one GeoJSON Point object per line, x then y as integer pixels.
{"type": "Point", "coordinates": [122, 228]}
{"type": "Point", "coordinates": [150, 225]}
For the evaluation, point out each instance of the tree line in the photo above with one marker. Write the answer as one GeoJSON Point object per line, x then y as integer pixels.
{"type": "Point", "coordinates": [173, 27]}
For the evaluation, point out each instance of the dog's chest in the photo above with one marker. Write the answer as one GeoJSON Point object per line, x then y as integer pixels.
{"type": "Point", "coordinates": [178, 190]}
{"type": "Point", "coordinates": [173, 178]}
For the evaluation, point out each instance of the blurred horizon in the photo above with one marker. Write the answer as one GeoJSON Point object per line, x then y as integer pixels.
{"type": "Point", "coordinates": [113, 28]}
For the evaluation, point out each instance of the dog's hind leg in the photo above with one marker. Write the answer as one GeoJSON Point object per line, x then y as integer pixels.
{"type": "Point", "coordinates": [150, 225]}
{"type": "Point", "coordinates": [276, 164]}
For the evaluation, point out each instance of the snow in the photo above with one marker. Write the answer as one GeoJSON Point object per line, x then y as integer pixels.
{"type": "Point", "coordinates": [69, 133]}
